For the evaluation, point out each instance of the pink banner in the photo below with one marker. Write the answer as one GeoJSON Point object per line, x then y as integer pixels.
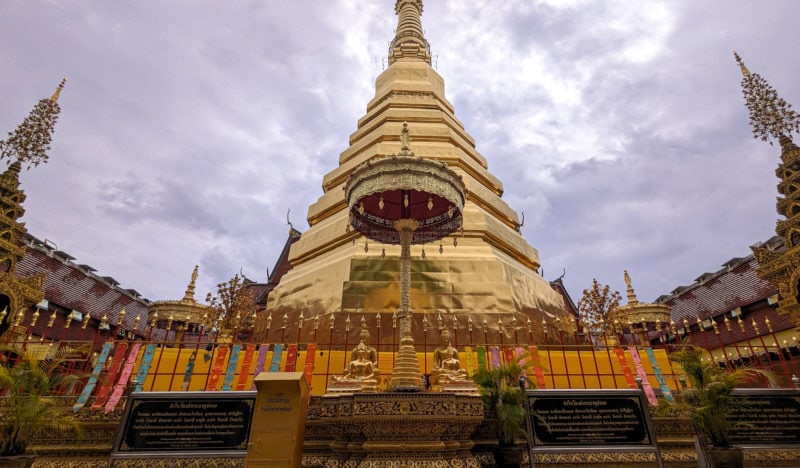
{"type": "Point", "coordinates": [127, 369]}
{"type": "Point", "coordinates": [648, 389]}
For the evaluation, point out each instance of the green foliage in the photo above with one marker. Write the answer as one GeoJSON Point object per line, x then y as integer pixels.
{"type": "Point", "coordinates": [502, 395]}
{"type": "Point", "coordinates": [27, 404]}
{"type": "Point", "coordinates": [709, 400]}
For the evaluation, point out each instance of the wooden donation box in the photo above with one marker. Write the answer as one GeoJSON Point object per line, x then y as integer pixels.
{"type": "Point", "coordinates": [278, 426]}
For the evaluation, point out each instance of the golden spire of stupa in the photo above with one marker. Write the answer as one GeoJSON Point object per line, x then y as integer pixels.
{"type": "Point", "coordinates": [770, 116]}
{"type": "Point", "coordinates": [631, 293]}
{"type": "Point", "coordinates": [189, 296]}
{"type": "Point", "coordinates": [409, 41]}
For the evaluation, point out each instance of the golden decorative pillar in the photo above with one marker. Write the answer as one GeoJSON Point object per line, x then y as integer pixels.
{"type": "Point", "coordinates": [772, 118]}
{"type": "Point", "coordinates": [402, 199]}
{"type": "Point", "coordinates": [27, 144]}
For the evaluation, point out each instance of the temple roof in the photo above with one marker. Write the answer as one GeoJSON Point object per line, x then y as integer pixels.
{"type": "Point", "coordinates": [714, 294]}
{"type": "Point", "coordinates": [74, 286]}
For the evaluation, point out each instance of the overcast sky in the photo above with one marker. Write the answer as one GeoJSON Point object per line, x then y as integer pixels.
{"type": "Point", "coordinates": [188, 128]}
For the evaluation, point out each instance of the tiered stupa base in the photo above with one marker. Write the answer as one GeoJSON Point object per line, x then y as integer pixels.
{"type": "Point", "coordinates": [406, 376]}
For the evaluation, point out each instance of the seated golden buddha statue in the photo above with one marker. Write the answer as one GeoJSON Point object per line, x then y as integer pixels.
{"type": "Point", "coordinates": [363, 367]}
{"type": "Point", "coordinates": [446, 365]}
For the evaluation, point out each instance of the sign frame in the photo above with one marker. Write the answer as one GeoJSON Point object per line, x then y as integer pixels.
{"type": "Point", "coordinates": [137, 399]}
{"type": "Point", "coordinates": [747, 393]}
{"type": "Point", "coordinates": [638, 398]}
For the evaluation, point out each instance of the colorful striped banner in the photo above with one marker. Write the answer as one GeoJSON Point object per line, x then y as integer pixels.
{"type": "Point", "coordinates": [508, 354]}
{"type": "Point", "coordinates": [659, 375]}
{"type": "Point", "coordinates": [311, 352]}
{"type": "Point", "coordinates": [216, 371]}
{"type": "Point", "coordinates": [482, 358]}
{"type": "Point", "coordinates": [246, 363]}
{"type": "Point", "coordinates": [187, 374]}
{"type": "Point", "coordinates": [127, 369]}
{"type": "Point", "coordinates": [537, 367]}
{"type": "Point", "coordinates": [277, 353]}
{"type": "Point", "coordinates": [261, 361]}
{"type": "Point", "coordinates": [110, 376]}
{"type": "Point", "coordinates": [144, 367]}
{"type": "Point", "coordinates": [626, 369]}
{"type": "Point", "coordinates": [495, 352]}
{"type": "Point", "coordinates": [648, 389]}
{"type": "Point", "coordinates": [291, 358]}
{"type": "Point", "coordinates": [98, 368]}
{"type": "Point", "coordinates": [226, 384]}
{"type": "Point", "coordinates": [470, 358]}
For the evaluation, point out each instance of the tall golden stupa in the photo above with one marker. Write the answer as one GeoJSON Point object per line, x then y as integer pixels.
{"type": "Point", "coordinates": [482, 276]}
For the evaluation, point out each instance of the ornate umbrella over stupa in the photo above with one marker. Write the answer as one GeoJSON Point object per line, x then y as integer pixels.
{"type": "Point", "coordinates": [404, 199]}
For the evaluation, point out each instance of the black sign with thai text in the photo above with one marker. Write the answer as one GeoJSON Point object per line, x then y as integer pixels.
{"type": "Point", "coordinates": [186, 422]}
{"type": "Point", "coordinates": [767, 417]}
{"type": "Point", "coordinates": [588, 418]}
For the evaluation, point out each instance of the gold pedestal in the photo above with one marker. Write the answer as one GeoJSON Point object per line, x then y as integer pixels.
{"type": "Point", "coordinates": [406, 376]}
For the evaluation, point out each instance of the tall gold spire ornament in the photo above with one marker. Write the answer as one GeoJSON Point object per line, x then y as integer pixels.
{"type": "Point", "coordinates": [773, 118]}
{"type": "Point", "coordinates": [30, 142]}
{"type": "Point", "coordinates": [770, 115]}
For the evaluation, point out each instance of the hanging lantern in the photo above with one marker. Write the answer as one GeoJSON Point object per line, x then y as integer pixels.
{"type": "Point", "coordinates": [430, 203]}
{"type": "Point", "coordinates": [380, 204]}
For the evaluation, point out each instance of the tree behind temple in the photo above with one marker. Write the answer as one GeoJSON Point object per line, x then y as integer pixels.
{"type": "Point", "coordinates": [595, 306]}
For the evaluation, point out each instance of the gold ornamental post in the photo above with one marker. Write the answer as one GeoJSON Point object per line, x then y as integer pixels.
{"type": "Point", "coordinates": [403, 199]}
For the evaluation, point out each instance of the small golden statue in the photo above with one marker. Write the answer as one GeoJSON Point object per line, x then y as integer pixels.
{"type": "Point", "coordinates": [446, 365]}
{"type": "Point", "coordinates": [362, 373]}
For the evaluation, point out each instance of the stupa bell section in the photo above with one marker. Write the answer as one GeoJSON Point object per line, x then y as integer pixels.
{"type": "Point", "coordinates": [491, 273]}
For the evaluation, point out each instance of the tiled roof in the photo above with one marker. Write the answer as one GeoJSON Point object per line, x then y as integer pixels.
{"type": "Point", "coordinates": [73, 286]}
{"type": "Point", "coordinates": [720, 293]}
{"type": "Point", "coordinates": [714, 294]}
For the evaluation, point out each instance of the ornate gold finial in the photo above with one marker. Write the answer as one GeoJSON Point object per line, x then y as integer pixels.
{"type": "Point", "coordinates": [189, 296]}
{"type": "Point", "coordinates": [770, 115]}
{"type": "Point", "coordinates": [631, 293]}
{"type": "Point", "coordinates": [409, 40]}
{"type": "Point", "coordinates": [30, 141]}
{"type": "Point", "coordinates": [57, 92]}
{"type": "Point", "coordinates": [742, 66]}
